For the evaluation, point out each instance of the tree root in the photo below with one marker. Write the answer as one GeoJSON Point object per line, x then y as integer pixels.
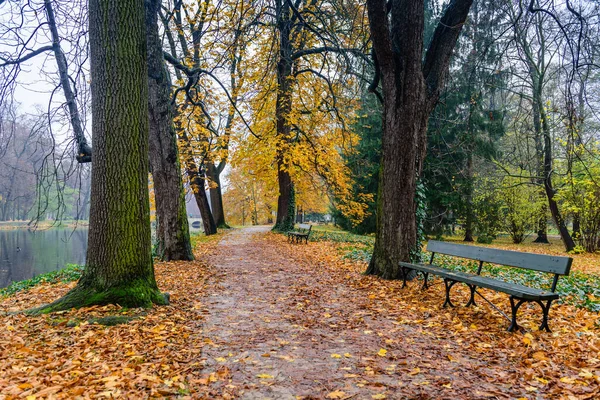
{"type": "Point", "coordinates": [136, 294]}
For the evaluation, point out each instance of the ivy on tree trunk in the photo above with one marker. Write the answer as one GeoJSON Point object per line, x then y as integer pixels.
{"type": "Point", "coordinates": [411, 87]}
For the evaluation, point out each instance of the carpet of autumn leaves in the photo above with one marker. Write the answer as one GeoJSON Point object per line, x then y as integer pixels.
{"type": "Point", "coordinates": [62, 355]}
{"type": "Point", "coordinates": [268, 319]}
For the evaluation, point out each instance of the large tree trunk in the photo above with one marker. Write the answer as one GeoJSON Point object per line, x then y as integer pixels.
{"type": "Point", "coordinates": [172, 230]}
{"type": "Point", "coordinates": [411, 89]}
{"type": "Point", "coordinates": [119, 268]}
{"type": "Point", "coordinates": [286, 201]}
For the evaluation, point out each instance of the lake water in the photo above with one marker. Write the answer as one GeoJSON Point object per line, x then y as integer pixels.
{"type": "Point", "coordinates": [25, 254]}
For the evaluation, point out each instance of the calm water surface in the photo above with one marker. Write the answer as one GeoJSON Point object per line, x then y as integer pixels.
{"type": "Point", "coordinates": [25, 254]}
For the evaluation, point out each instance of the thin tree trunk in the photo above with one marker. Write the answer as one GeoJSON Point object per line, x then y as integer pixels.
{"type": "Point", "coordinates": [216, 195]}
{"type": "Point", "coordinates": [192, 169]}
{"type": "Point", "coordinates": [554, 210]}
{"type": "Point", "coordinates": [84, 152]}
{"type": "Point", "coordinates": [470, 219]}
{"type": "Point", "coordinates": [172, 230]}
{"type": "Point", "coordinates": [197, 185]}
{"type": "Point", "coordinates": [286, 200]}
{"type": "Point", "coordinates": [542, 228]}
{"type": "Point", "coordinates": [119, 267]}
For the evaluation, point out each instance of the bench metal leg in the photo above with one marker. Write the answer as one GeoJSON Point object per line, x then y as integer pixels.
{"type": "Point", "coordinates": [513, 309]}
{"type": "Point", "coordinates": [404, 271]}
{"type": "Point", "coordinates": [425, 276]}
{"type": "Point", "coordinates": [545, 310]}
{"type": "Point", "coordinates": [471, 302]}
{"type": "Point", "coordinates": [448, 283]}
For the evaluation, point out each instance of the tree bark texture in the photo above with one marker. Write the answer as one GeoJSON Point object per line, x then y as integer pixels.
{"type": "Point", "coordinates": [410, 90]}
{"type": "Point", "coordinates": [119, 267]}
{"type": "Point", "coordinates": [172, 230]}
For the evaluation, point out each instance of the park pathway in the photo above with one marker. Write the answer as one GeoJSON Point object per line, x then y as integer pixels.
{"type": "Point", "coordinates": [276, 329]}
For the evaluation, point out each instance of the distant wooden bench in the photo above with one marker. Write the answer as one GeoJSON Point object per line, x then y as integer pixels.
{"type": "Point", "coordinates": [302, 233]}
{"type": "Point", "coordinates": [519, 294]}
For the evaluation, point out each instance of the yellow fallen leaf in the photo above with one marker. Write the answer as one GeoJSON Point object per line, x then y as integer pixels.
{"type": "Point", "coordinates": [378, 396]}
{"type": "Point", "coordinates": [382, 352]}
{"type": "Point", "coordinates": [337, 394]}
{"type": "Point", "coordinates": [264, 376]}
{"type": "Point", "coordinates": [528, 339]}
{"type": "Point", "coordinates": [586, 374]}
{"type": "Point", "coordinates": [334, 355]}
{"type": "Point", "coordinates": [220, 359]}
{"type": "Point", "coordinates": [448, 386]}
{"type": "Point", "coordinates": [415, 371]}
{"type": "Point", "coordinates": [566, 379]}
{"type": "Point", "coordinates": [347, 355]}
{"type": "Point", "coordinates": [541, 380]}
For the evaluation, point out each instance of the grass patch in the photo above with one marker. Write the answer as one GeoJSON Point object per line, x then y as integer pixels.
{"type": "Point", "coordinates": [340, 237]}
{"type": "Point", "coordinates": [70, 273]}
{"type": "Point", "coordinates": [197, 238]}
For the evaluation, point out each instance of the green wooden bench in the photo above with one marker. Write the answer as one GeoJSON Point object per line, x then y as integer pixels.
{"type": "Point", "coordinates": [302, 233]}
{"type": "Point", "coordinates": [518, 294]}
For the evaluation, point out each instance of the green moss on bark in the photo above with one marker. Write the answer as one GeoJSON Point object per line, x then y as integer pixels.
{"type": "Point", "coordinates": [135, 294]}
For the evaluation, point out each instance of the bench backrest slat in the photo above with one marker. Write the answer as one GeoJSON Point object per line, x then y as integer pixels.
{"type": "Point", "coordinates": [537, 262]}
{"type": "Point", "coordinates": [305, 226]}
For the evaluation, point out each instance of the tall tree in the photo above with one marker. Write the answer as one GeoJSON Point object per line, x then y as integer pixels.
{"type": "Point", "coordinates": [537, 57]}
{"type": "Point", "coordinates": [119, 267]}
{"type": "Point", "coordinates": [411, 87]}
{"type": "Point", "coordinates": [172, 230]}
{"type": "Point", "coordinates": [304, 29]}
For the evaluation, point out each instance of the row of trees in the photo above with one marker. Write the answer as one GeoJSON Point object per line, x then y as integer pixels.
{"type": "Point", "coordinates": [278, 88]}
{"type": "Point", "coordinates": [513, 142]}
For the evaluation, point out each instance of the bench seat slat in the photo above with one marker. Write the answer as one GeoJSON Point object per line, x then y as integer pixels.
{"type": "Point", "coordinates": [514, 289]}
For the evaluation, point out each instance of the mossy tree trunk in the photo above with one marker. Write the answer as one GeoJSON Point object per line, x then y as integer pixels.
{"type": "Point", "coordinates": [172, 230]}
{"type": "Point", "coordinates": [411, 87]}
{"type": "Point", "coordinates": [119, 268]}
